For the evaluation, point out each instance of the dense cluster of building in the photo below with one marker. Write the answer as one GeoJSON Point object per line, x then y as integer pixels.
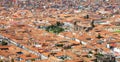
{"type": "Point", "coordinates": [59, 30]}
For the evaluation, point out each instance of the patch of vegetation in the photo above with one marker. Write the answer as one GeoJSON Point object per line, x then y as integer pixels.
{"type": "Point", "coordinates": [99, 55]}
{"type": "Point", "coordinates": [99, 36]}
{"type": "Point", "coordinates": [59, 45]}
{"type": "Point", "coordinates": [55, 28]}
{"type": "Point", "coordinates": [64, 57]}
{"type": "Point", "coordinates": [90, 52]}
{"type": "Point", "coordinates": [32, 59]}
{"type": "Point", "coordinates": [117, 31]}
{"type": "Point", "coordinates": [4, 43]}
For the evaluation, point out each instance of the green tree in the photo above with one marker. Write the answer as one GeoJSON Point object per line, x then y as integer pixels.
{"type": "Point", "coordinates": [54, 29]}
{"type": "Point", "coordinates": [32, 59]}
{"type": "Point", "coordinates": [99, 36]}
{"type": "Point", "coordinates": [4, 43]}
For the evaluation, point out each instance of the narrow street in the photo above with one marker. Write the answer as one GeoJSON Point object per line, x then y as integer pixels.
{"type": "Point", "coordinates": [23, 47]}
